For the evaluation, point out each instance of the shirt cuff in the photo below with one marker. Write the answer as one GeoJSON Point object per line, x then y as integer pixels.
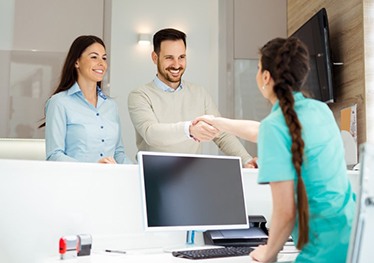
{"type": "Point", "coordinates": [187, 125]}
{"type": "Point", "coordinates": [247, 161]}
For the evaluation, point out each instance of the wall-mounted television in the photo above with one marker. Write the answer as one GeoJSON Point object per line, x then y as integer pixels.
{"type": "Point", "coordinates": [315, 34]}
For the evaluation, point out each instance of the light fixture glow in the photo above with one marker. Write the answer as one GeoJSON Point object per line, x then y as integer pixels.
{"type": "Point", "coordinates": [144, 39]}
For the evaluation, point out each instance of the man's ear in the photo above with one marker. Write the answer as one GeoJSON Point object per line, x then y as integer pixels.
{"type": "Point", "coordinates": [154, 57]}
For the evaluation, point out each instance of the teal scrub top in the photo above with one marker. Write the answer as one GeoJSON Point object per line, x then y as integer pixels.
{"type": "Point", "coordinates": [330, 197]}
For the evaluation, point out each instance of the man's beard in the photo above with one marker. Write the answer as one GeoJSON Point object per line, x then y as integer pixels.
{"type": "Point", "coordinates": [166, 74]}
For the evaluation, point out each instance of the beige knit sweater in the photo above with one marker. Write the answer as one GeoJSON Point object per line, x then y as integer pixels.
{"type": "Point", "coordinates": [159, 117]}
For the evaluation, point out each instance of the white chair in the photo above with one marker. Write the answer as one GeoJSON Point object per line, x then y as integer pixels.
{"type": "Point", "coordinates": [22, 149]}
{"type": "Point", "coordinates": [362, 237]}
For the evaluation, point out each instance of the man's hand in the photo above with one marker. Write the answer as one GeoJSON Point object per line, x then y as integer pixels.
{"type": "Point", "coordinates": [252, 163]}
{"type": "Point", "coordinates": [203, 132]}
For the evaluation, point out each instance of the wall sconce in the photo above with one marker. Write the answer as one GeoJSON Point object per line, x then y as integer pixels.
{"type": "Point", "coordinates": [144, 39]}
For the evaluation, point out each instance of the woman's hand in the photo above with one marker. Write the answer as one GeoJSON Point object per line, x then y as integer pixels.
{"type": "Point", "coordinates": [108, 160]}
{"type": "Point", "coordinates": [259, 254]}
{"type": "Point", "coordinates": [209, 119]}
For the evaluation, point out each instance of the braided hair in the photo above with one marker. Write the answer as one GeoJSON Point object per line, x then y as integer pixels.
{"type": "Point", "coordinates": [287, 60]}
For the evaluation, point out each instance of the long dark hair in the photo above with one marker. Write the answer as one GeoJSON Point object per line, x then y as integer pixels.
{"type": "Point", "coordinates": [287, 60]}
{"type": "Point", "coordinates": [69, 73]}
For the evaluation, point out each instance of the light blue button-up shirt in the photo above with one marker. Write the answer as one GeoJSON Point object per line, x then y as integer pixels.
{"type": "Point", "coordinates": [161, 85]}
{"type": "Point", "coordinates": [77, 131]}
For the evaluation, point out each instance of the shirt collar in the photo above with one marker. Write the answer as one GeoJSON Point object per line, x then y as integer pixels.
{"type": "Point", "coordinates": [100, 92]}
{"type": "Point", "coordinates": [161, 85]}
{"type": "Point", "coordinates": [296, 95]}
{"type": "Point", "coordinates": [75, 89]}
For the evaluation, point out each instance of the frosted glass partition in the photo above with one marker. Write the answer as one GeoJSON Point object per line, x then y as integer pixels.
{"type": "Point", "coordinates": [249, 102]}
{"type": "Point", "coordinates": [33, 45]}
{"type": "Point", "coordinates": [28, 81]}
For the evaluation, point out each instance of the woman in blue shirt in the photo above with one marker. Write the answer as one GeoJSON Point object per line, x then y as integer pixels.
{"type": "Point", "coordinates": [82, 123]}
{"type": "Point", "coordinates": [301, 156]}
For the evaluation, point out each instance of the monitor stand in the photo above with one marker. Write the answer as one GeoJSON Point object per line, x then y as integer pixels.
{"type": "Point", "coordinates": [190, 237]}
{"type": "Point", "coordinates": [189, 245]}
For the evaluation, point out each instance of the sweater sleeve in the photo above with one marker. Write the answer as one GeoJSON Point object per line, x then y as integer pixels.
{"type": "Point", "coordinates": [230, 145]}
{"type": "Point", "coordinates": [147, 125]}
{"type": "Point", "coordinates": [227, 143]}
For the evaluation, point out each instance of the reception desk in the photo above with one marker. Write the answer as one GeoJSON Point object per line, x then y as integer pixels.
{"type": "Point", "coordinates": [153, 256]}
{"type": "Point", "coordinates": [41, 201]}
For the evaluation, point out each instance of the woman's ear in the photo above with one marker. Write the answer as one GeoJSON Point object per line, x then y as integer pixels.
{"type": "Point", "coordinates": [266, 77]}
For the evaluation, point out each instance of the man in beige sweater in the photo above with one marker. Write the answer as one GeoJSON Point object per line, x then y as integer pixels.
{"type": "Point", "coordinates": [162, 110]}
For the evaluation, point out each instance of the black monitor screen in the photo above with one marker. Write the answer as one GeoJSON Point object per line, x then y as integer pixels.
{"type": "Point", "coordinates": [315, 34]}
{"type": "Point", "coordinates": [192, 192]}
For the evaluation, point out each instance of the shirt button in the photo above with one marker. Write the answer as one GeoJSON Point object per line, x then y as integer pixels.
{"type": "Point", "coordinates": [101, 154]}
{"type": "Point", "coordinates": [102, 140]}
{"type": "Point", "coordinates": [102, 127]}
{"type": "Point", "coordinates": [97, 114]}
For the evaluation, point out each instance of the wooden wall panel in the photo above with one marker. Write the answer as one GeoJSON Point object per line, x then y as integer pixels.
{"type": "Point", "coordinates": [369, 67]}
{"type": "Point", "coordinates": [347, 45]}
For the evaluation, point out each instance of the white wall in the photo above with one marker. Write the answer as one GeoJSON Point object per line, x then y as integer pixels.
{"type": "Point", "coordinates": [131, 65]}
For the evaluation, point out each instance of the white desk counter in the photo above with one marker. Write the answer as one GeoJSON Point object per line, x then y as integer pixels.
{"type": "Point", "coordinates": [41, 201]}
{"type": "Point", "coordinates": [155, 257]}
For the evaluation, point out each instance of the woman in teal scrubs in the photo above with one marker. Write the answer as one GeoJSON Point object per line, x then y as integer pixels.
{"type": "Point", "coordinates": [301, 156]}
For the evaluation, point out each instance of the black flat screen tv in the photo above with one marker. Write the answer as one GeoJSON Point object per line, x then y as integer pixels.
{"type": "Point", "coordinates": [315, 34]}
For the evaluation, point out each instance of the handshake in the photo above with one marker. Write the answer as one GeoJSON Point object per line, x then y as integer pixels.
{"type": "Point", "coordinates": [203, 129]}
{"type": "Point", "coordinates": [207, 127]}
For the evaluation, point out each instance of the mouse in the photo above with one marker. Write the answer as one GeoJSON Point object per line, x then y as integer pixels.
{"type": "Point", "coordinates": [356, 167]}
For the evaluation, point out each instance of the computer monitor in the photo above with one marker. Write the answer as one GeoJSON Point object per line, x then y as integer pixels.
{"type": "Point", "coordinates": [192, 192]}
